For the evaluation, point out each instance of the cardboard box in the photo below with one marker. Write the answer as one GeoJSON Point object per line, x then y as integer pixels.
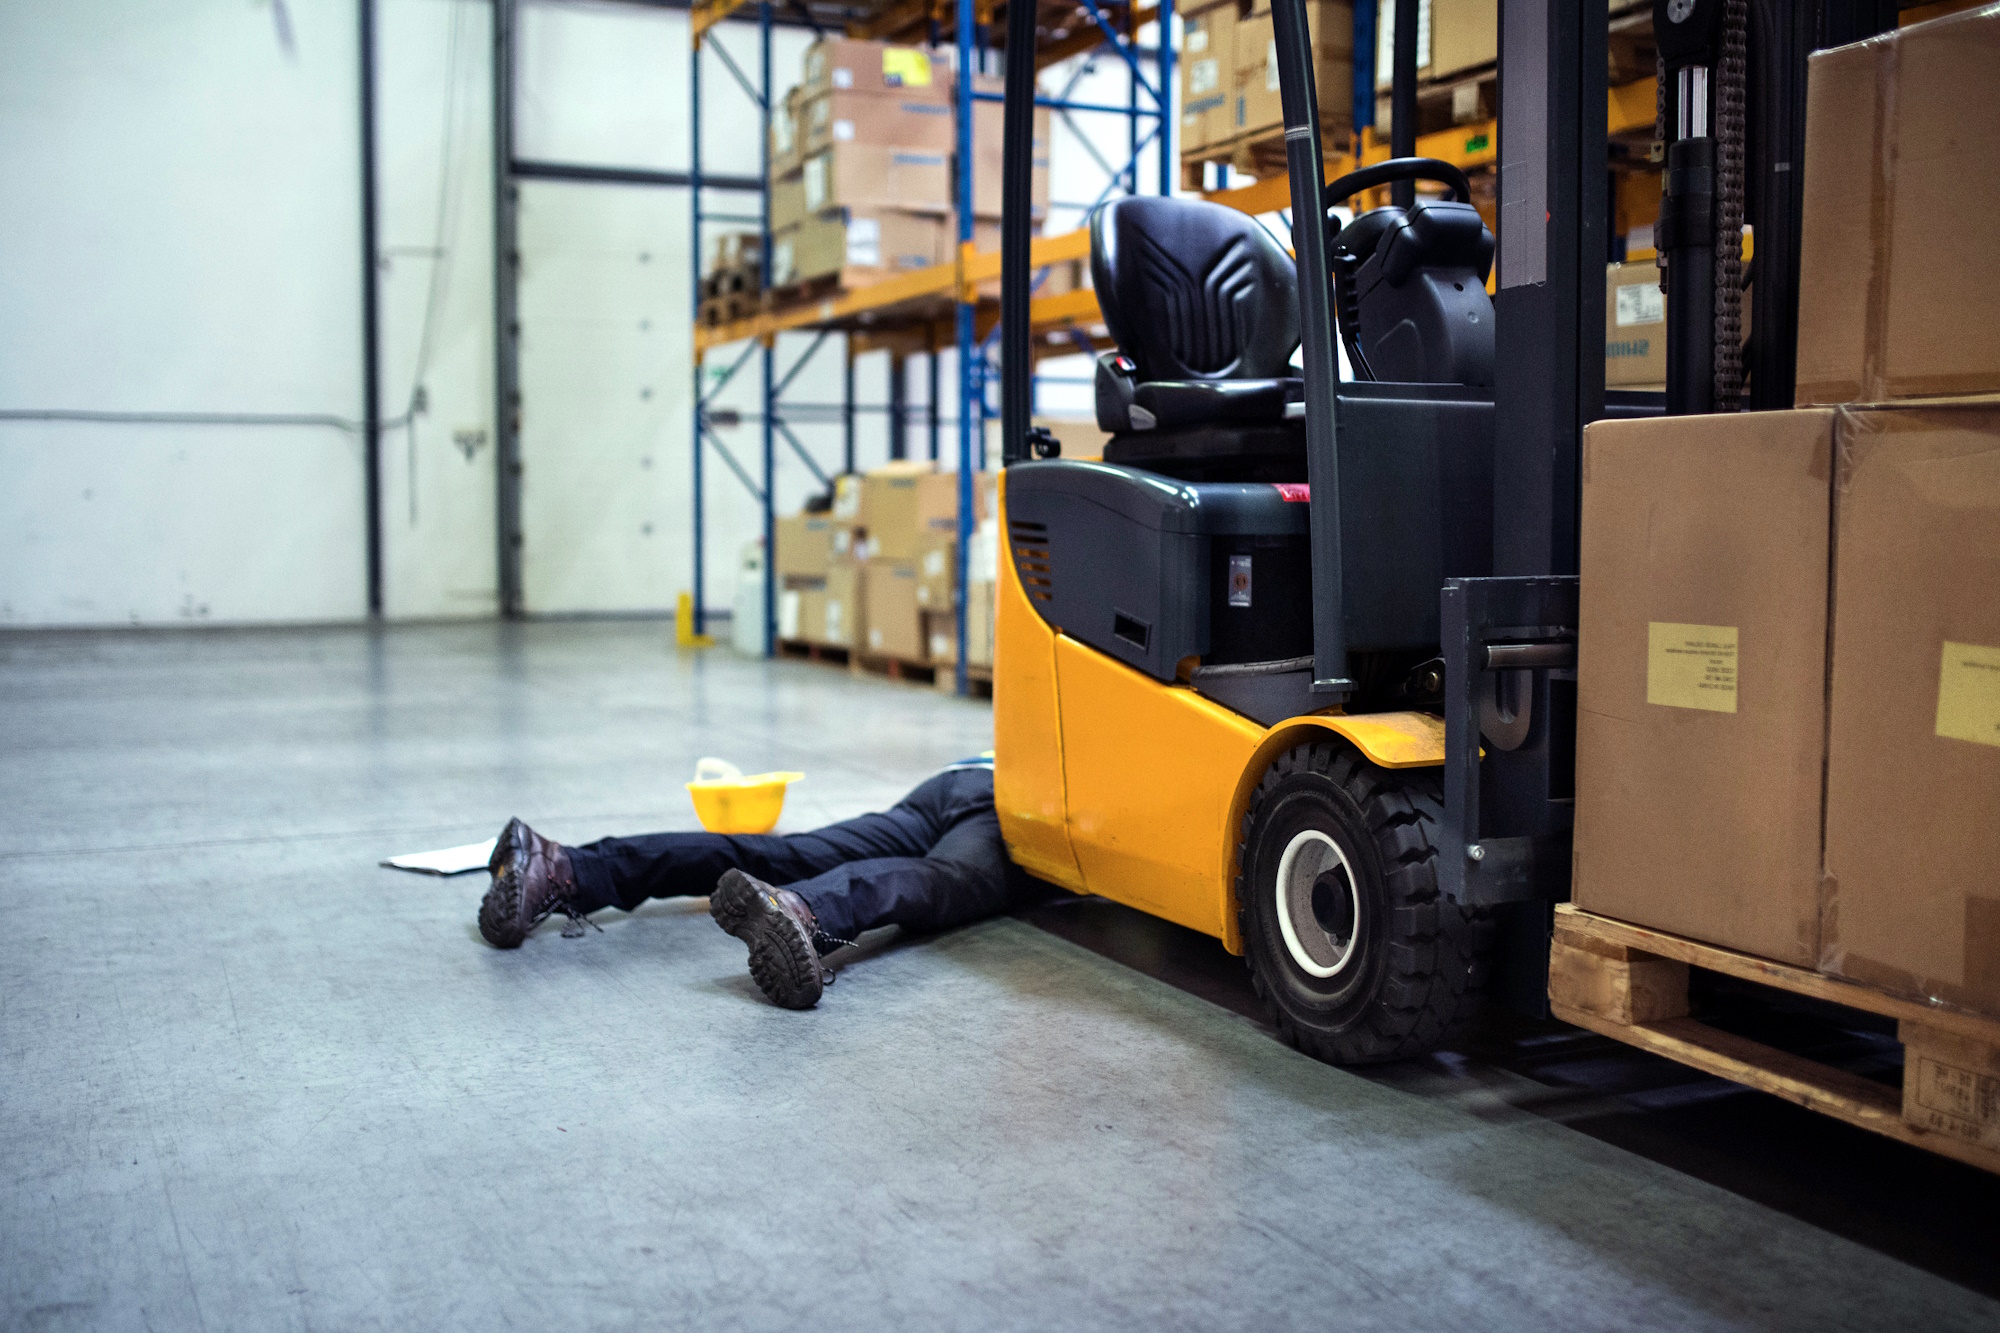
{"type": "Point", "coordinates": [784, 155]}
{"type": "Point", "coordinates": [989, 150]}
{"type": "Point", "coordinates": [1207, 76]}
{"type": "Point", "coordinates": [902, 503]}
{"type": "Point", "coordinates": [805, 545]}
{"type": "Point", "coordinates": [865, 175]}
{"type": "Point", "coordinates": [842, 607]}
{"type": "Point", "coordinates": [1701, 692]}
{"type": "Point", "coordinates": [1257, 103]}
{"type": "Point", "coordinates": [1912, 895]}
{"type": "Point", "coordinates": [941, 634]}
{"type": "Point", "coordinates": [1901, 223]}
{"type": "Point", "coordinates": [802, 614]}
{"type": "Point", "coordinates": [941, 629]}
{"type": "Point", "coordinates": [848, 62]}
{"type": "Point", "coordinates": [1465, 34]}
{"type": "Point", "coordinates": [1635, 327]}
{"type": "Point", "coordinates": [788, 204]}
{"type": "Point", "coordinates": [860, 244]}
{"type": "Point", "coordinates": [894, 620]}
{"type": "Point", "coordinates": [937, 569]}
{"type": "Point", "coordinates": [905, 118]}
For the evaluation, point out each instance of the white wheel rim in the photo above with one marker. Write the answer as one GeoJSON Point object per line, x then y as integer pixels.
{"type": "Point", "coordinates": [1318, 953]}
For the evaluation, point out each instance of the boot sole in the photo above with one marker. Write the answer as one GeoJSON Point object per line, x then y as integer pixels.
{"type": "Point", "coordinates": [783, 962]}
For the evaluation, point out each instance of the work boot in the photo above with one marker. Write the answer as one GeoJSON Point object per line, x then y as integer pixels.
{"type": "Point", "coordinates": [780, 930]}
{"type": "Point", "coordinates": [531, 881]}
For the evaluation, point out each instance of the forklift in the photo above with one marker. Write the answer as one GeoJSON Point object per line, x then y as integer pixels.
{"type": "Point", "coordinates": [1294, 663]}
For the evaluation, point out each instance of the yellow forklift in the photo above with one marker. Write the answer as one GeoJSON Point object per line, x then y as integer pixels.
{"type": "Point", "coordinates": [1293, 663]}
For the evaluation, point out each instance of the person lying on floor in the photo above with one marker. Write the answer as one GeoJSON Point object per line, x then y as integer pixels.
{"type": "Point", "coordinates": [932, 862]}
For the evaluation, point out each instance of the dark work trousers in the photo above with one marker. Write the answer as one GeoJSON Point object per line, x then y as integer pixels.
{"type": "Point", "coordinates": [933, 862]}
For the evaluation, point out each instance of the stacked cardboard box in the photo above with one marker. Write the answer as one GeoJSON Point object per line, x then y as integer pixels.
{"type": "Point", "coordinates": [1208, 77]}
{"type": "Point", "coordinates": [1258, 108]}
{"type": "Point", "coordinates": [988, 144]}
{"type": "Point", "coordinates": [1789, 692]}
{"type": "Point", "coordinates": [871, 192]}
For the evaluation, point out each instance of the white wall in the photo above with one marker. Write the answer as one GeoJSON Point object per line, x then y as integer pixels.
{"type": "Point", "coordinates": [434, 153]}
{"type": "Point", "coordinates": [179, 231]}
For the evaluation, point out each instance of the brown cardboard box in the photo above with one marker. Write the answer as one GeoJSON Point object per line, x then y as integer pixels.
{"type": "Point", "coordinates": [866, 175]}
{"type": "Point", "coordinates": [1207, 70]}
{"type": "Point", "coordinates": [941, 634]}
{"type": "Point", "coordinates": [861, 244]}
{"type": "Point", "coordinates": [903, 502]}
{"type": "Point", "coordinates": [1701, 692]}
{"type": "Point", "coordinates": [988, 144]}
{"type": "Point", "coordinates": [1465, 34]}
{"type": "Point", "coordinates": [895, 622]}
{"type": "Point", "coordinates": [802, 614]}
{"type": "Point", "coordinates": [785, 136]}
{"type": "Point", "coordinates": [805, 545]}
{"type": "Point", "coordinates": [1901, 222]}
{"type": "Point", "coordinates": [937, 568]}
{"type": "Point", "coordinates": [941, 629]}
{"type": "Point", "coordinates": [1257, 103]}
{"type": "Point", "coordinates": [1635, 327]}
{"type": "Point", "coordinates": [843, 606]}
{"type": "Point", "coordinates": [1912, 896]}
{"type": "Point", "coordinates": [849, 62]}
{"type": "Point", "coordinates": [907, 118]}
{"type": "Point", "coordinates": [788, 203]}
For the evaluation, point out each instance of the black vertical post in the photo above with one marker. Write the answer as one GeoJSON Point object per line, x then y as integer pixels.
{"type": "Point", "coordinates": [932, 414]}
{"type": "Point", "coordinates": [1306, 163]}
{"type": "Point", "coordinates": [371, 386]}
{"type": "Point", "coordinates": [506, 317]}
{"type": "Point", "coordinates": [1403, 98]}
{"type": "Point", "coordinates": [898, 407]}
{"type": "Point", "coordinates": [1549, 373]}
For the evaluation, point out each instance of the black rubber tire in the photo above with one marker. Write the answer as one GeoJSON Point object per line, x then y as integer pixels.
{"type": "Point", "coordinates": [1422, 960]}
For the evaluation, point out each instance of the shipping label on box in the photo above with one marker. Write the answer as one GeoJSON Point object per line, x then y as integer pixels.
{"type": "Point", "coordinates": [849, 62]}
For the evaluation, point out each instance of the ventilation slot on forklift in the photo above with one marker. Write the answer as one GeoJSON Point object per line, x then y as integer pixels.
{"type": "Point", "coordinates": [1031, 558]}
{"type": "Point", "coordinates": [1132, 631]}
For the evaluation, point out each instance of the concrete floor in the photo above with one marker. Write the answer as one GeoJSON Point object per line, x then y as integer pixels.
{"type": "Point", "coordinates": [249, 1080]}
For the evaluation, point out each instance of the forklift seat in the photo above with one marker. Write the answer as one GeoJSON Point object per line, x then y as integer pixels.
{"type": "Point", "coordinates": [1204, 306]}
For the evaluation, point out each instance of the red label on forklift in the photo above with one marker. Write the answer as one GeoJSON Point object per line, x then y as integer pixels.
{"type": "Point", "coordinates": [1294, 492]}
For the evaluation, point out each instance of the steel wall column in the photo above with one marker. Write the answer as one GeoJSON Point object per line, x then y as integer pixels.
{"type": "Point", "coordinates": [506, 318]}
{"type": "Point", "coordinates": [371, 386]}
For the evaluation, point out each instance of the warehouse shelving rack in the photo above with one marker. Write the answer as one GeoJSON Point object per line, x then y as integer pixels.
{"type": "Point", "coordinates": [925, 310]}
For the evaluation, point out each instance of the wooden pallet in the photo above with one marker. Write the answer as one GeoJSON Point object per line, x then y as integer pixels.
{"type": "Point", "coordinates": [1631, 983]}
{"type": "Point", "coordinates": [799, 650]}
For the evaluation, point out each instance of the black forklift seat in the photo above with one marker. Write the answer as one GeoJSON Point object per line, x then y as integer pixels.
{"type": "Point", "coordinates": [1204, 306]}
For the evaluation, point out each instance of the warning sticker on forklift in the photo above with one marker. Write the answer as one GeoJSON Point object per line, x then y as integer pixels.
{"type": "Point", "coordinates": [1691, 666]}
{"type": "Point", "coordinates": [1969, 694]}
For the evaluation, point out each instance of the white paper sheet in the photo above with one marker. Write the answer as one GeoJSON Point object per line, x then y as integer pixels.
{"type": "Point", "coordinates": [449, 861]}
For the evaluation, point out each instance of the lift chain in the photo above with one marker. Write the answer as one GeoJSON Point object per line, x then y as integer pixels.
{"type": "Point", "coordinates": [1730, 99]}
